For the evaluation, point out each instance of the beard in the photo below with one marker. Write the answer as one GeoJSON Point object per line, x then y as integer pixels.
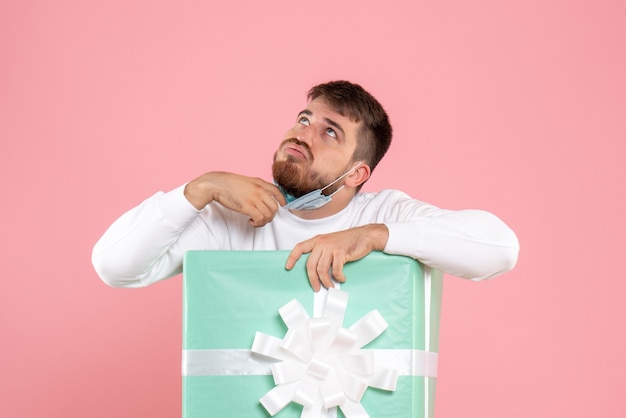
{"type": "Point", "coordinates": [296, 177]}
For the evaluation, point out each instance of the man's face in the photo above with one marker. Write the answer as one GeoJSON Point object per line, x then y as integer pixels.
{"type": "Point", "coordinates": [316, 150]}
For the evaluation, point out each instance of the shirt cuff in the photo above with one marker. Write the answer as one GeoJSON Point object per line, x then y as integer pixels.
{"type": "Point", "coordinates": [176, 209]}
{"type": "Point", "coordinates": [405, 238]}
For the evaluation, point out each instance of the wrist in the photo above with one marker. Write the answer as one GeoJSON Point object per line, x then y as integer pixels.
{"type": "Point", "coordinates": [378, 234]}
{"type": "Point", "coordinates": [198, 194]}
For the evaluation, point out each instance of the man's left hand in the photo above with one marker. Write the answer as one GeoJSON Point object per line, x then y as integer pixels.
{"type": "Point", "coordinates": [332, 251]}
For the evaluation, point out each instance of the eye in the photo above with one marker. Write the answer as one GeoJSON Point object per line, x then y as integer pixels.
{"type": "Point", "coordinates": [331, 132]}
{"type": "Point", "coordinates": [303, 120]}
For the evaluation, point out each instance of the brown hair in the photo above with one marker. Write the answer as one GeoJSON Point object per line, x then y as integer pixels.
{"type": "Point", "coordinates": [354, 101]}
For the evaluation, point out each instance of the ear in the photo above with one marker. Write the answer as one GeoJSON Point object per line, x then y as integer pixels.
{"type": "Point", "coordinates": [359, 175]}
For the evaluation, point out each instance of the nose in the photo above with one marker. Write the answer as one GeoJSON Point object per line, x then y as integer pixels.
{"type": "Point", "coordinates": [305, 134]}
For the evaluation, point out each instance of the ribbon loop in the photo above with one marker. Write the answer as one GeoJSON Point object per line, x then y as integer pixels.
{"type": "Point", "coordinates": [298, 344]}
{"type": "Point", "coordinates": [336, 303]}
{"type": "Point", "coordinates": [354, 410]}
{"type": "Point", "coordinates": [385, 379]}
{"type": "Point", "coordinates": [332, 393]}
{"type": "Point", "coordinates": [368, 328]}
{"type": "Point", "coordinates": [318, 368]}
{"type": "Point", "coordinates": [293, 314]}
{"type": "Point", "coordinates": [278, 398]}
{"type": "Point", "coordinates": [360, 362]}
{"type": "Point", "coordinates": [288, 371]}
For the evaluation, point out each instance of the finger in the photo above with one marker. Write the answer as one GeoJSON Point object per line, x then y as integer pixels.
{"type": "Point", "coordinates": [278, 196]}
{"type": "Point", "coordinates": [257, 217]}
{"type": "Point", "coordinates": [264, 211]}
{"type": "Point", "coordinates": [322, 268]}
{"type": "Point", "coordinates": [312, 272]}
{"type": "Point", "coordinates": [266, 214]}
{"type": "Point", "coordinates": [271, 204]}
{"type": "Point", "coordinates": [275, 193]}
{"type": "Point", "coordinates": [338, 270]}
{"type": "Point", "coordinates": [294, 256]}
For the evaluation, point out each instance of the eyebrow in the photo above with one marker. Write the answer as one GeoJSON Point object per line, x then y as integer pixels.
{"type": "Point", "coordinates": [328, 121]}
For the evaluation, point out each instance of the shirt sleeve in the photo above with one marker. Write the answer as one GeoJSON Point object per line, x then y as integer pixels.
{"type": "Point", "coordinates": [136, 250]}
{"type": "Point", "coordinates": [472, 244]}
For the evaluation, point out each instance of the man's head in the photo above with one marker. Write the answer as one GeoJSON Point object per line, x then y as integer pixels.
{"type": "Point", "coordinates": [355, 102]}
{"type": "Point", "coordinates": [341, 126]}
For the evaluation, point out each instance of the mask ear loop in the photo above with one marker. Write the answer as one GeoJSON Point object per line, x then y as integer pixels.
{"type": "Point", "coordinates": [339, 178]}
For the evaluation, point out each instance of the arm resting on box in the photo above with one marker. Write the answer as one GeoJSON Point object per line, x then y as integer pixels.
{"type": "Point", "coordinates": [471, 244]}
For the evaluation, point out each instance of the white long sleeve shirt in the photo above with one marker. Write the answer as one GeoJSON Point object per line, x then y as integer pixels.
{"type": "Point", "coordinates": [147, 244]}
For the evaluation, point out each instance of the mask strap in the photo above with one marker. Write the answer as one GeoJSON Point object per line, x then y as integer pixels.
{"type": "Point", "coordinates": [336, 191]}
{"type": "Point", "coordinates": [339, 178]}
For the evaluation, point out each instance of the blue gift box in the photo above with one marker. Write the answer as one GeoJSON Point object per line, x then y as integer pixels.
{"type": "Point", "coordinates": [230, 296]}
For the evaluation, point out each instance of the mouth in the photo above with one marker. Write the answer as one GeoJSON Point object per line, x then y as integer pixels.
{"type": "Point", "coordinates": [296, 150]}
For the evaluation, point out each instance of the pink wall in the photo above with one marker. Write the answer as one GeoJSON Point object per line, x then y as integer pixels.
{"type": "Point", "coordinates": [517, 107]}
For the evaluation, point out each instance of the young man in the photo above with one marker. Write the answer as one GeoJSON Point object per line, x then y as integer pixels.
{"type": "Point", "coordinates": [319, 168]}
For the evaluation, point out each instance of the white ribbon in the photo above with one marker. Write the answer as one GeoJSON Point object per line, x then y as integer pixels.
{"type": "Point", "coordinates": [321, 364]}
{"type": "Point", "coordinates": [241, 362]}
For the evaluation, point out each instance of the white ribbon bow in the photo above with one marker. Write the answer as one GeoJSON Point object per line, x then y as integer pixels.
{"type": "Point", "coordinates": [321, 364]}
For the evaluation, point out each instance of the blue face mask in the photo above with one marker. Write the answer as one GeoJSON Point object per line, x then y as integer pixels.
{"type": "Point", "coordinates": [314, 199]}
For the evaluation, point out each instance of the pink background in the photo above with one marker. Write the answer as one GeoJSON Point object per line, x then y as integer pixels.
{"type": "Point", "coordinates": [517, 107]}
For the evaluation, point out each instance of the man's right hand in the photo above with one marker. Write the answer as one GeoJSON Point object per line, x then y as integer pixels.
{"type": "Point", "coordinates": [250, 196]}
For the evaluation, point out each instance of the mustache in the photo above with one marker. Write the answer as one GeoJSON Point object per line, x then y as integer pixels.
{"type": "Point", "coordinates": [305, 147]}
